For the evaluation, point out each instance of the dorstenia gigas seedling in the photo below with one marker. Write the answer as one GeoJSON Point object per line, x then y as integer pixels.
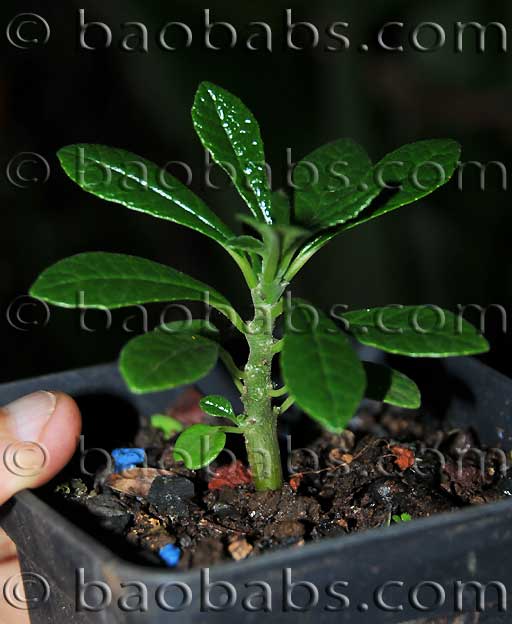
{"type": "Point", "coordinates": [335, 188]}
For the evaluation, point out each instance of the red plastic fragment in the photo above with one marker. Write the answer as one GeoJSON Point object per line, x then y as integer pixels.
{"type": "Point", "coordinates": [295, 481]}
{"type": "Point", "coordinates": [404, 457]}
{"type": "Point", "coordinates": [231, 476]}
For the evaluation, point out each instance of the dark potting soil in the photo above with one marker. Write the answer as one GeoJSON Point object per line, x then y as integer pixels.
{"type": "Point", "coordinates": [391, 466]}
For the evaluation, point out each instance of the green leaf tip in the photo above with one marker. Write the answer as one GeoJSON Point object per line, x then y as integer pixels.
{"type": "Point", "coordinates": [229, 131]}
{"type": "Point", "coordinates": [167, 424]}
{"type": "Point", "coordinates": [218, 406]}
{"type": "Point", "coordinates": [389, 386]}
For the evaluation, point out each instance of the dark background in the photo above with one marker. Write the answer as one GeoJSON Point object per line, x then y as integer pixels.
{"type": "Point", "coordinates": [451, 248]}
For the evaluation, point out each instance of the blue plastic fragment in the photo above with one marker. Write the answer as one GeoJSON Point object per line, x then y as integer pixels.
{"type": "Point", "coordinates": [170, 554]}
{"type": "Point", "coordinates": [125, 458]}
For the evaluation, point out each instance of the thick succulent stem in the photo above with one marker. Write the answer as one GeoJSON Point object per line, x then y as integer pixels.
{"type": "Point", "coordinates": [260, 426]}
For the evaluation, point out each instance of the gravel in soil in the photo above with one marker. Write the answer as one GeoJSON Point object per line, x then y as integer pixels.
{"type": "Point", "coordinates": [389, 467]}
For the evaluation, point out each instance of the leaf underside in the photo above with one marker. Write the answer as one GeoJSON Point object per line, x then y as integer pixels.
{"type": "Point", "coordinates": [390, 386]}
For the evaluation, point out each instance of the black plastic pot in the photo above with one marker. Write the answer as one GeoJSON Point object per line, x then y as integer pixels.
{"type": "Point", "coordinates": [424, 558]}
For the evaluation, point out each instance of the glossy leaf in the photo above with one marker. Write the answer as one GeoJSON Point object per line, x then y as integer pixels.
{"type": "Point", "coordinates": [281, 208]}
{"type": "Point", "coordinates": [108, 280]}
{"type": "Point", "coordinates": [414, 178]}
{"type": "Point", "coordinates": [228, 129]}
{"type": "Point", "coordinates": [415, 170]}
{"type": "Point", "coordinates": [417, 331]}
{"type": "Point", "coordinates": [333, 184]}
{"type": "Point", "coordinates": [218, 406]}
{"type": "Point", "coordinates": [199, 445]}
{"type": "Point", "coordinates": [125, 178]}
{"type": "Point", "coordinates": [390, 386]}
{"type": "Point", "coordinates": [320, 368]}
{"type": "Point", "coordinates": [160, 360]}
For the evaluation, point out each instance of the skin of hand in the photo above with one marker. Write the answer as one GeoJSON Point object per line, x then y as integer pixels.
{"type": "Point", "coordinates": [38, 436]}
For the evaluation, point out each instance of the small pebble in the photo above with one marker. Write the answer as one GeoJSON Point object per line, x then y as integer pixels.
{"type": "Point", "coordinates": [170, 554]}
{"type": "Point", "coordinates": [240, 549]}
{"type": "Point", "coordinates": [169, 495]}
{"type": "Point", "coordinates": [110, 510]}
{"type": "Point", "coordinates": [125, 458]}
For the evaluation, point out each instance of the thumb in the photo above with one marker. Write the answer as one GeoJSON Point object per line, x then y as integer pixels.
{"type": "Point", "coordinates": [38, 435]}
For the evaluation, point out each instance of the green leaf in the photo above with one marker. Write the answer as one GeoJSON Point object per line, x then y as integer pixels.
{"type": "Point", "coordinates": [160, 360]}
{"type": "Point", "coordinates": [320, 368]}
{"type": "Point", "coordinates": [416, 331]}
{"type": "Point", "coordinates": [281, 208]}
{"type": "Point", "coordinates": [218, 406]}
{"type": "Point", "coordinates": [125, 178]}
{"type": "Point", "coordinates": [198, 326]}
{"type": "Point", "coordinates": [246, 243]}
{"type": "Point", "coordinates": [289, 236]}
{"type": "Point", "coordinates": [415, 157]}
{"type": "Point", "coordinates": [390, 386]}
{"type": "Point", "coordinates": [333, 184]}
{"type": "Point", "coordinates": [199, 445]}
{"type": "Point", "coordinates": [228, 129]}
{"type": "Point", "coordinates": [416, 169]}
{"type": "Point", "coordinates": [405, 517]}
{"type": "Point", "coordinates": [167, 424]}
{"type": "Point", "coordinates": [108, 280]}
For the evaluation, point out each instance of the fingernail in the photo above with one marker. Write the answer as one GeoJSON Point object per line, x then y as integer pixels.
{"type": "Point", "coordinates": [28, 416]}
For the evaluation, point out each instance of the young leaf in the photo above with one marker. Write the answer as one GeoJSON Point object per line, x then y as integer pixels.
{"type": "Point", "coordinates": [405, 517]}
{"type": "Point", "coordinates": [125, 178]}
{"type": "Point", "coordinates": [246, 243]}
{"type": "Point", "coordinates": [332, 184]}
{"type": "Point", "coordinates": [228, 129]}
{"type": "Point", "coordinates": [320, 368]}
{"type": "Point", "coordinates": [218, 406]}
{"type": "Point", "coordinates": [167, 424]}
{"type": "Point", "coordinates": [199, 445]}
{"type": "Point", "coordinates": [288, 236]}
{"type": "Point", "coordinates": [160, 360]}
{"type": "Point", "coordinates": [109, 280]}
{"type": "Point", "coordinates": [416, 331]}
{"type": "Point", "coordinates": [389, 386]}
